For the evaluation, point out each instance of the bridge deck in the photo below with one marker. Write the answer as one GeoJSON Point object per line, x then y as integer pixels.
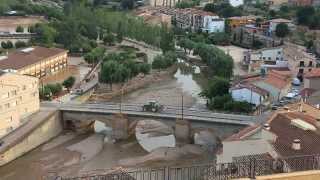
{"type": "Point", "coordinates": [170, 112]}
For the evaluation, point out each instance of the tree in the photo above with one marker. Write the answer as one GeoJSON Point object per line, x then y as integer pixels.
{"type": "Point", "coordinates": [220, 38]}
{"type": "Point", "coordinates": [282, 30]}
{"type": "Point", "coordinates": [158, 62]}
{"type": "Point", "coordinates": [119, 32]}
{"type": "Point", "coordinates": [127, 4]}
{"type": "Point", "coordinates": [166, 39]}
{"type": "Point", "coordinates": [109, 39]}
{"type": "Point", "coordinates": [20, 44]}
{"type": "Point", "coordinates": [108, 70]}
{"type": "Point", "coordinates": [19, 29]}
{"type": "Point", "coordinates": [45, 93]}
{"type": "Point", "coordinates": [305, 14]}
{"type": "Point", "coordinates": [68, 83]}
{"type": "Point", "coordinates": [46, 34]}
{"type": "Point", "coordinates": [218, 86]}
{"type": "Point", "coordinates": [186, 44]}
{"type": "Point", "coordinates": [55, 88]}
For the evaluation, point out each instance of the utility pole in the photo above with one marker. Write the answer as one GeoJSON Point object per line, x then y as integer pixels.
{"type": "Point", "coordinates": [121, 99]}
{"type": "Point", "coordinates": [182, 106]}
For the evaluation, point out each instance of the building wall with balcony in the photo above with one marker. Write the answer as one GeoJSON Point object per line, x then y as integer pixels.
{"type": "Point", "coordinates": [46, 66]}
{"type": "Point", "coordinates": [19, 98]}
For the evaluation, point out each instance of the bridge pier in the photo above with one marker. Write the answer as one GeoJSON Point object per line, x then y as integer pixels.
{"type": "Point", "coordinates": [182, 132]}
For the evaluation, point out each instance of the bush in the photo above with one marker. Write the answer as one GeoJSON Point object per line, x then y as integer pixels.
{"type": "Point", "coordinates": [220, 38]}
{"type": "Point", "coordinates": [7, 45]}
{"type": "Point", "coordinates": [55, 88]}
{"type": "Point", "coordinates": [164, 61]}
{"type": "Point", "coordinates": [68, 83]}
{"type": "Point", "coordinates": [20, 44]}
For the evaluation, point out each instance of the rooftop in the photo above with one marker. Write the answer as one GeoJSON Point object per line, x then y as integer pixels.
{"type": "Point", "coordinates": [282, 126]}
{"type": "Point", "coordinates": [28, 56]}
{"type": "Point", "coordinates": [14, 21]}
{"type": "Point", "coordinates": [314, 73]}
{"type": "Point", "coordinates": [280, 20]}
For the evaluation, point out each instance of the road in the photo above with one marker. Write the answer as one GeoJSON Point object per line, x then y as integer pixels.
{"type": "Point", "coordinates": [169, 112]}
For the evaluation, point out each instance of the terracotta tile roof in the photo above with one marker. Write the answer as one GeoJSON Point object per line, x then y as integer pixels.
{"type": "Point", "coordinates": [13, 21]}
{"type": "Point", "coordinates": [314, 73]}
{"type": "Point", "coordinates": [19, 59]}
{"type": "Point", "coordinates": [278, 79]}
{"type": "Point", "coordinates": [286, 133]}
{"type": "Point", "coordinates": [243, 133]}
{"type": "Point", "coordinates": [280, 20]}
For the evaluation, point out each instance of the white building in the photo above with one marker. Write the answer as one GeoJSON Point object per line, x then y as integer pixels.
{"type": "Point", "coordinates": [236, 3]}
{"type": "Point", "coordinates": [264, 59]}
{"type": "Point", "coordinates": [249, 93]}
{"type": "Point", "coordinates": [213, 24]}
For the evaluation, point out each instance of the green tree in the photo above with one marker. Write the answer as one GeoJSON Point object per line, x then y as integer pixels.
{"type": "Point", "coordinates": [217, 86]}
{"type": "Point", "coordinates": [19, 29]}
{"type": "Point", "coordinates": [166, 39]}
{"type": "Point", "coordinates": [45, 93]}
{"type": "Point", "coordinates": [108, 71]}
{"type": "Point", "coordinates": [219, 38]}
{"type": "Point", "coordinates": [69, 82]}
{"type": "Point", "coordinates": [282, 30]}
{"type": "Point", "coordinates": [55, 88]}
{"type": "Point", "coordinates": [109, 39]}
{"type": "Point", "coordinates": [186, 44]}
{"type": "Point", "coordinates": [46, 34]}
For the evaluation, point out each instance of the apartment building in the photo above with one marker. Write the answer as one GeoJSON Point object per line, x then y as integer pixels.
{"type": "Point", "coordinates": [35, 61]}
{"type": "Point", "coordinates": [195, 20]}
{"type": "Point", "coordinates": [19, 98]}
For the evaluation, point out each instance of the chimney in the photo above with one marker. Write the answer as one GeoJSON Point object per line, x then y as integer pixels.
{"type": "Point", "coordinates": [296, 145]}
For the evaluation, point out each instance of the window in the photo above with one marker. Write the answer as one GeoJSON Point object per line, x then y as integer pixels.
{"type": "Point", "coordinates": [7, 105]}
{"type": "Point", "coordinates": [310, 63]}
{"type": "Point", "coordinates": [269, 58]}
{"type": "Point", "coordinates": [264, 58]}
{"type": "Point", "coordinates": [309, 70]}
{"type": "Point", "coordinates": [301, 71]}
{"type": "Point", "coordinates": [301, 63]}
{"type": "Point", "coordinates": [279, 52]}
{"type": "Point", "coordinates": [14, 92]}
{"type": "Point", "coordinates": [24, 87]}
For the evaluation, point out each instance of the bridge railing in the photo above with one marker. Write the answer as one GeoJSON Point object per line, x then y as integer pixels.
{"type": "Point", "coordinates": [246, 168]}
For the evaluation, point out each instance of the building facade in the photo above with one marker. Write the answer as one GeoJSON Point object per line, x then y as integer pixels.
{"type": "Point", "coordinates": [312, 80]}
{"type": "Point", "coordinates": [35, 61]}
{"type": "Point", "coordinates": [299, 61]}
{"type": "Point", "coordinates": [19, 98]}
{"type": "Point", "coordinates": [250, 94]}
{"type": "Point", "coordinates": [264, 59]}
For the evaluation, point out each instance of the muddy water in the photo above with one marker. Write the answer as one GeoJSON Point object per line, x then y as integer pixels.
{"type": "Point", "coordinates": [170, 92]}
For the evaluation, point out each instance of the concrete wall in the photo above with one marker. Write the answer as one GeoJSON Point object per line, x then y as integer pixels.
{"type": "Point", "coordinates": [247, 95]}
{"type": "Point", "coordinates": [313, 83]}
{"type": "Point", "coordinates": [49, 129]}
{"type": "Point", "coordinates": [305, 175]}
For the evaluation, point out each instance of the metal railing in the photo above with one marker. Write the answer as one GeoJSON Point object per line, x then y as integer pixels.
{"type": "Point", "coordinates": [247, 168]}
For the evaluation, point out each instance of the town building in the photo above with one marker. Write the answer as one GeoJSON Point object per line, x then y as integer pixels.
{"type": "Point", "coordinates": [194, 20]}
{"type": "Point", "coordinates": [249, 93]}
{"type": "Point", "coordinates": [312, 79]}
{"type": "Point", "coordinates": [19, 98]}
{"type": "Point", "coordinates": [286, 134]}
{"type": "Point", "coordinates": [276, 2]}
{"type": "Point", "coordinates": [35, 61]}
{"type": "Point", "coordinates": [300, 2]}
{"type": "Point", "coordinates": [9, 25]}
{"type": "Point", "coordinates": [299, 60]}
{"type": "Point", "coordinates": [238, 21]}
{"type": "Point", "coordinates": [264, 59]}
{"type": "Point", "coordinates": [154, 17]}
{"type": "Point", "coordinates": [276, 82]}
{"type": "Point", "coordinates": [236, 3]}
{"type": "Point", "coordinates": [273, 23]}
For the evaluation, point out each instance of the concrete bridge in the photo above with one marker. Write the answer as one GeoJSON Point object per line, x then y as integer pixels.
{"type": "Point", "coordinates": [93, 110]}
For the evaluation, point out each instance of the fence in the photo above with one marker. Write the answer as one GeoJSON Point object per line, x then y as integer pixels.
{"type": "Point", "coordinates": [245, 168]}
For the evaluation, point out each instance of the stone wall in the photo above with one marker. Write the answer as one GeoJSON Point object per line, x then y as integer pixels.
{"type": "Point", "coordinates": [48, 129]}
